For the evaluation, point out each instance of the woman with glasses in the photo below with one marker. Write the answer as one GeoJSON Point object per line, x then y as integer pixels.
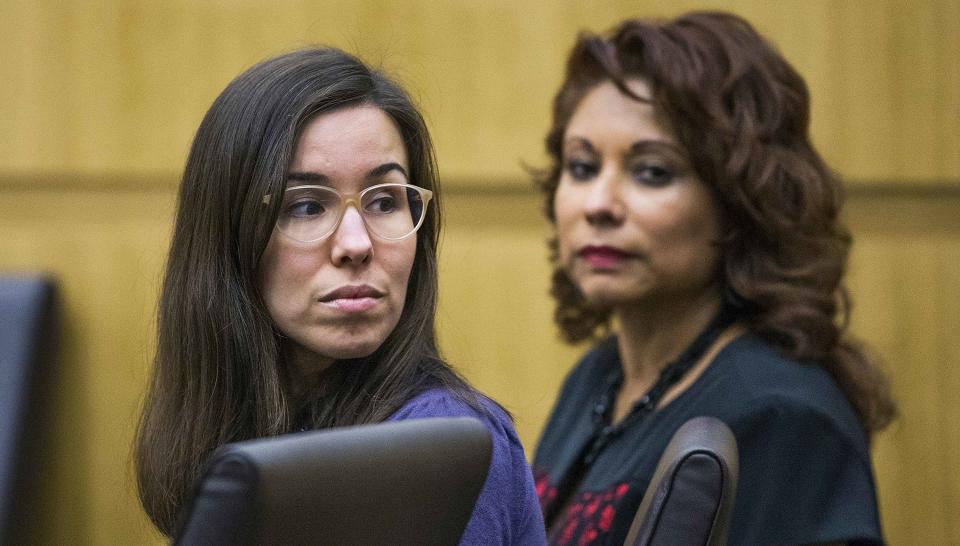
{"type": "Point", "coordinates": [301, 285]}
{"type": "Point", "coordinates": [697, 241]}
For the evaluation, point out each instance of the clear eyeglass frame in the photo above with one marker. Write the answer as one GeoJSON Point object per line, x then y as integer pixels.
{"type": "Point", "coordinates": [285, 220]}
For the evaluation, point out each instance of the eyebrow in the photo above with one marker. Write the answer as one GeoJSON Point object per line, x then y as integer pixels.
{"type": "Point", "coordinates": [378, 172]}
{"type": "Point", "coordinates": [638, 147]}
{"type": "Point", "coordinates": [323, 180]}
{"type": "Point", "coordinates": [644, 146]}
{"type": "Point", "coordinates": [580, 141]}
{"type": "Point", "coordinates": [316, 178]}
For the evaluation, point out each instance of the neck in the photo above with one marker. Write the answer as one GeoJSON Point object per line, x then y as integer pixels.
{"type": "Point", "coordinates": [305, 369]}
{"type": "Point", "coordinates": [654, 334]}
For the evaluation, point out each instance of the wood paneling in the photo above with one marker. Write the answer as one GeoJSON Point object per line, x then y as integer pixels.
{"type": "Point", "coordinates": [905, 278]}
{"type": "Point", "coordinates": [120, 85]}
{"type": "Point", "coordinates": [107, 250]}
{"type": "Point", "coordinates": [100, 100]}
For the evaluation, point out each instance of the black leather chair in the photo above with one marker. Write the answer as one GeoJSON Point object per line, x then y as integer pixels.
{"type": "Point", "coordinates": [405, 482]}
{"type": "Point", "coordinates": [28, 340]}
{"type": "Point", "coordinates": [690, 499]}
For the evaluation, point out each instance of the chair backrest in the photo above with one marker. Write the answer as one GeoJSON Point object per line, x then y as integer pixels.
{"type": "Point", "coordinates": [404, 482]}
{"type": "Point", "coordinates": [690, 498]}
{"type": "Point", "coordinates": [28, 339]}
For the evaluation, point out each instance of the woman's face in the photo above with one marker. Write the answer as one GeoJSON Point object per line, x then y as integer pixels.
{"type": "Point", "coordinates": [340, 297]}
{"type": "Point", "coordinates": [634, 223]}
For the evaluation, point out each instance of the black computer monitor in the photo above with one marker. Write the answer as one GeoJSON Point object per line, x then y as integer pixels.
{"type": "Point", "coordinates": [404, 482]}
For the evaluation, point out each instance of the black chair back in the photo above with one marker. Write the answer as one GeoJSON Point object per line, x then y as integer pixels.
{"type": "Point", "coordinates": [404, 482]}
{"type": "Point", "coordinates": [28, 340]}
{"type": "Point", "coordinates": [690, 499]}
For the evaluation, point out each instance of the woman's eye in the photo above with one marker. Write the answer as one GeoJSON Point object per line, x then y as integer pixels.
{"type": "Point", "coordinates": [382, 204]}
{"type": "Point", "coordinates": [652, 175]}
{"type": "Point", "coordinates": [306, 209]}
{"type": "Point", "coordinates": [581, 170]}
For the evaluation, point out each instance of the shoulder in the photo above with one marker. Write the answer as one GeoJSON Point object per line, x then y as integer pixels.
{"type": "Point", "coordinates": [442, 402]}
{"type": "Point", "coordinates": [591, 372]}
{"type": "Point", "coordinates": [806, 474]}
{"type": "Point", "coordinates": [570, 419]}
{"type": "Point", "coordinates": [763, 385]}
{"type": "Point", "coordinates": [506, 511]}
{"type": "Point", "coordinates": [573, 405]}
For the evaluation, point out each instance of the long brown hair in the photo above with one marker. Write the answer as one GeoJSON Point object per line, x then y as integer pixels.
{"type": "Point", "coordinates": [218, 373]}
{"type": "Point", "coordinates": [742, 113]}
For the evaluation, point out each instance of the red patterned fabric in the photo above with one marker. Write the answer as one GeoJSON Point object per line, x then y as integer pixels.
{"type": "Point", "coordinates": [587, 518]}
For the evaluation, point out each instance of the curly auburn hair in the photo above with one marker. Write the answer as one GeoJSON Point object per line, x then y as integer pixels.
{"type": "Point", "coordinates": [742, 113]}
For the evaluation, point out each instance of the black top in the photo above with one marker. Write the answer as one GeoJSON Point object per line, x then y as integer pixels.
{"type": "Point", "coordinates": [805, 472]}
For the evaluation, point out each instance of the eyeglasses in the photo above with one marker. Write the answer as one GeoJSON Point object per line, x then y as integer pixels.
{"type": "Point", "coordinates": [389, 211]}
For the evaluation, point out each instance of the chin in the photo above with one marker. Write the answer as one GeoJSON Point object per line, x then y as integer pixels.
{"type": "Point", "coordinates": [606, 301]}
{"type": "Point", "coordinates": [345, 340]}
{"type": "Point", "coordinates": [359, 349]}
{"type": "Point", "coordinates": [604, 295]}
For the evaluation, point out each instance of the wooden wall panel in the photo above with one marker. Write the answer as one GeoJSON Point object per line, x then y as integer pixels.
{"type": "Point", "coordinates": [120, 85]}
{"type": "Point", "coordinates": [905, 278]}
{"type": "Point", "coordinates": [106, 249]}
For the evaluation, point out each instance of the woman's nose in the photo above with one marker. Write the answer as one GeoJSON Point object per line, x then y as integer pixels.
{"type": "Point", "coordinates": [603, 204]}
{"type": "Point", "coordinates": [351, 240]}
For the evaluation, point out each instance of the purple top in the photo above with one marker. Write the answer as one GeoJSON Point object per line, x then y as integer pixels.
{"type": "Point", "coordinates": [507, 510]}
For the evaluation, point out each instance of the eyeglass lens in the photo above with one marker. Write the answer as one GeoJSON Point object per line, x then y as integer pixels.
{"type": "Point", "coordinates": [310, 213]}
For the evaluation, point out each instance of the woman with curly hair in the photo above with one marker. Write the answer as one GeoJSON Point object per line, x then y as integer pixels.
{"type": "Point", "coordinates": [697, 240]}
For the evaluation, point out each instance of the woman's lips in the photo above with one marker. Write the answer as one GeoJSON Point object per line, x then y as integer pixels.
{"type": "Point", "coordinates": [603, 257]}
{"type": "Point", "coordinates": [352, 298]}
{"type": "Point", "coordinates": [352, 305]}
